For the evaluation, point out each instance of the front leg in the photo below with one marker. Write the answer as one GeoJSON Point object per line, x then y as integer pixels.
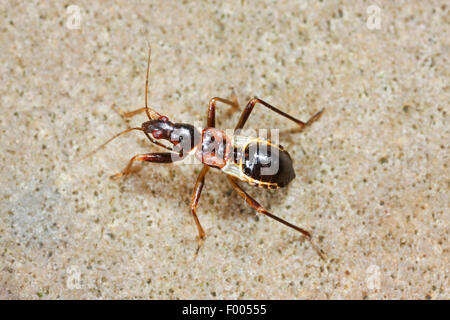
{"type": "Point", "coordinates": [157, 157]}
{"type": "Point", "coordinates": [251, 104]}
{"type": "Point", "coordinates": [127, 114]}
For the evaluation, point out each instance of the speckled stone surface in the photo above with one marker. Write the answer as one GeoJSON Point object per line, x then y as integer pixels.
{"type": "Point", "coordinates": [372, 175]}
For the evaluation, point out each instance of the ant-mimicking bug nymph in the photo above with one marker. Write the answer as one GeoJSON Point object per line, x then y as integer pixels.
{"type": "Point", "coordinates": [239, 157]}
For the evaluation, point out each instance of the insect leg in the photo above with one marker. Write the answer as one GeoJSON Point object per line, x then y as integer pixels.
{"type": "Point", "coordinates": [158, 157]}
{"type": "Point", "coordinates": [212, 108]}
{"type": "Point", "coordinates": [255, 205]}
{"type": "Point", "coordinates": [195, 198]}
{"type": "Point", "coordinates": [248, 109]}
{"type": "Point", "coordinates": [125, 114]}
{"type": "Point", "coordinates": [151, 114]}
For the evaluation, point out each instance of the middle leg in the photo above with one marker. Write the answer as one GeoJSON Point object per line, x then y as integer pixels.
{"type": "Point", "coordinates": [158, 157]}
{"type": "Point", "coordinates": [195, 198]}
{"type": "Point", "coordinates": [251, 104]}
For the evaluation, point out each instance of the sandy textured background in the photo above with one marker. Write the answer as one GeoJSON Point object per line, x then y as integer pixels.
{"type": "Point", "coordinates": [372, 175]}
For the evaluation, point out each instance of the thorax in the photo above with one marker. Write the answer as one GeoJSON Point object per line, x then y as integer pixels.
{"type": "Point", "coordinates": [215, 148]}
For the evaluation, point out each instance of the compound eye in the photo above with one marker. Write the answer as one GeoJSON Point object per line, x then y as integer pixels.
{"type": "Point", "coordinates": [157, 134]}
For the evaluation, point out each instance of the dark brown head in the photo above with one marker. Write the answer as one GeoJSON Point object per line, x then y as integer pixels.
{"type": "Point", "coordinates": [183, 136]}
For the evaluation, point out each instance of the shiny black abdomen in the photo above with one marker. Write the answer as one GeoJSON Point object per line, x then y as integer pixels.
{"type": "Point", "coordinates": [267, 163]}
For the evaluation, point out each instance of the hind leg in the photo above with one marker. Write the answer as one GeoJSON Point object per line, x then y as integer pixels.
{"type": "Point", "coordinates": [255, 205]}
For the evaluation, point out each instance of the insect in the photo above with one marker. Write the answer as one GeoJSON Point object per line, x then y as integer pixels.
{"type": "Point", "coordinates": [240, 157]}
